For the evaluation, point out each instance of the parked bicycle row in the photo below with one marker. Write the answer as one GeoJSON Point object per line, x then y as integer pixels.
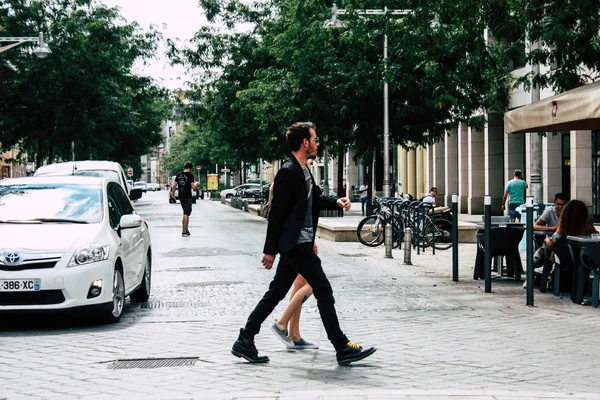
{"type": "Point", "coordinates": [429, 226]}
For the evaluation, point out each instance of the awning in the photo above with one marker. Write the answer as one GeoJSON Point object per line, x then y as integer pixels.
{"type": "Point", "coordinates": [577, 109]}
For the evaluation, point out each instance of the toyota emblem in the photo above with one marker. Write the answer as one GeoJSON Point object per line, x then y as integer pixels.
{"type": "Point", "coordinates": [12, 258]}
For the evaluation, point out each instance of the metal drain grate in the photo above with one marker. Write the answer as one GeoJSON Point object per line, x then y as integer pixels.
{"type": "Point", "coordinates": [149, 363]}
{"type": "Point", "coordinates": [171, 304]}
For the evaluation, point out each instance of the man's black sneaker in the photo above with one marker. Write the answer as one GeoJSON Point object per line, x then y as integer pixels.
{"type": "Point", "coordinates": [185, 234]}
{"type": "Point", "coordinates": [353, 352]}
{"type": "Point", "coordinates": [245, 348]}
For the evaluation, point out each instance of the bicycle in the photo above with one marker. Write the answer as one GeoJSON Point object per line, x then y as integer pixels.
{"type": "Point", "coordinates": [371, 230]}
{"type": "Point", "coordinates": [436, 229]}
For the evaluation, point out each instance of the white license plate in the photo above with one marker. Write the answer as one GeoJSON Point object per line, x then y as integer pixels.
{"type": "Point", "coordinates": [19, 285]}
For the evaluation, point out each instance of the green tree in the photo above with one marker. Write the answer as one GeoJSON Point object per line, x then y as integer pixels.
{"type": "Point", "coordinates": [567, 32]}
{"type": "Point", "coordinates": [84, 93]}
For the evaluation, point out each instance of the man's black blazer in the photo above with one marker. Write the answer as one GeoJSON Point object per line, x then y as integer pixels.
{"type": "Point", "coordinates": [288, 207]}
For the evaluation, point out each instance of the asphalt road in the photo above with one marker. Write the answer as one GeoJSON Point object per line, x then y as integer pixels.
{"type": "Point", "coordinates": [435, 338]}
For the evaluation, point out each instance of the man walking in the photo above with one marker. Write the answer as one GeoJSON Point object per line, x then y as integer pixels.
{"type": "Point", "coordinates": [184, 183]}
{"type": "Point", "coordinates": [515, 192]}
{"type": "Point", "coordinates": [364, 191]}
{"type": "Point", "coordinates": [291, 229]}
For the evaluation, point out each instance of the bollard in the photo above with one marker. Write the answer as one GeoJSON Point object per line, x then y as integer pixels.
{"type": "Point", "coordinates": [388, 240]}
{"type": "Point", "coordinates": [487, 228]}
{"type": "Point", "coordinates": [407, 245]}
{"type": "Point", "coordinates": [455, 237]}
{"type": "Point", "coordinates": [529, 243]}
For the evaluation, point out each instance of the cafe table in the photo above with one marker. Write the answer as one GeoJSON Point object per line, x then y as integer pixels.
{"type": "Point", "coordinates": [579, 272]}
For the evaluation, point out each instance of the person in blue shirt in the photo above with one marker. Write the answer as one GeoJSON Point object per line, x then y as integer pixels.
{"type": "Point", "coordinates": [515, 193]}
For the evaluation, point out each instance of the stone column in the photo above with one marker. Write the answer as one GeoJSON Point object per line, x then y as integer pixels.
{"type": "Point", "coordinates": [581, 166]}
{"type": "Point", "coordinates": [463, 167]}
{"type": "Point", "coordinates": [514, 157]}
{"type": "Point", "coordinates": [410, 172]}
{"type": "Point", "coordinates": [476, 172]}
{"type": "Point", "coordinates": [419, 173]}
{"type": "Point", "coordinates": [438, 179]}
{"type": "Point", "coordinates": [494, 164]}
{"type": "Point", "coordinates": [552, 166]}
{"type": "Point", "coordinates": [450, 165]}
{"type": "Point", "coordinates": [402, 170]}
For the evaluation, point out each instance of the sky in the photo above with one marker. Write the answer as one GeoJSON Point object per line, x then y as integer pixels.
{"type": "Point", "coordinates": [175, 19]}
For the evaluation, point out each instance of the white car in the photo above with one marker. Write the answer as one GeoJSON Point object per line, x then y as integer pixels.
{"type": "Point", "coordinates": [108, 169]}
{"type": "Point", "coordinates": [70, 242]}
{"type": "Point", "coordinates": [143, 186]}
{"type": "Point", "coordinates": [152, 187]}
{"type": "Point", "coordinates": [228, 193]}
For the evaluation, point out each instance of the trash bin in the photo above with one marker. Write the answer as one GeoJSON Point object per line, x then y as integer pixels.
{"type": "Point", "coordinates": [537, 212]}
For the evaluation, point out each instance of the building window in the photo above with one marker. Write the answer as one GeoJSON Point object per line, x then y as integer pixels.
{"type": "Point", "coordinates": [516, 55]}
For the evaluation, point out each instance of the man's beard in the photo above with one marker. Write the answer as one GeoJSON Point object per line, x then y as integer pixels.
{"type": "Point", "coordinates": [312, 156]}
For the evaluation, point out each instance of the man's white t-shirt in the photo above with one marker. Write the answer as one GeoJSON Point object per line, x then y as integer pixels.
{"type": "Point", "coordinates": [428, 199]}
{"type": "Point", "coordinates": [365, 193]}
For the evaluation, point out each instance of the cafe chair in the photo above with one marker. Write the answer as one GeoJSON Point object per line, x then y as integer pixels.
{"type": "Point", "coordinates": [504, 243]}
{"type": "Point", "coordinates": [590, 258]}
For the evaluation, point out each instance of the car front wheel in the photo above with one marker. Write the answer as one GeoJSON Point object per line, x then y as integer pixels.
{"type": "Point", "coordinates": [113, 314]}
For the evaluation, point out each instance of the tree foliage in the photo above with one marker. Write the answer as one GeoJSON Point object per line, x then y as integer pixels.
{"type": "Point", "coordinates": [84, 93]}
{"type": "Point", "coordinates": [448, 62]}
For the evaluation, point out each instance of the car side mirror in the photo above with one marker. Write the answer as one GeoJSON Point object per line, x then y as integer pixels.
{"type": "Point", "coordinates": [135, 194]}
{"type": "Point", "coordinates": [130, 221]}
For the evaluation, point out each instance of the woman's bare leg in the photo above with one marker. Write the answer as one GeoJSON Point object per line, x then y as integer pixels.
{"type": "Point", "coordinates": [291, 315]}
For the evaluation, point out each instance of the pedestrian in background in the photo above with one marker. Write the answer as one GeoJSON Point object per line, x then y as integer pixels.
{"type": "Point", "coordinates": [431, 197]}
{"type": "Point", "coordinates": [364, 191]}
{"type": "Point", "coordinates": [515, 193]}
{"type": "Point", "coordinates": [185, 183]}
{"type": "Point", "coordinates": [291, 229]}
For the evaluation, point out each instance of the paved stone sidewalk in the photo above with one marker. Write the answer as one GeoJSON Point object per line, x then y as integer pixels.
{"type": "Point", "coordinates": [436, 339]}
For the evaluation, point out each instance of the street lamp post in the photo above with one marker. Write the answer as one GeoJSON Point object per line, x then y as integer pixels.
{"type": "Point", "coordinates": [335, 23]}
{"type": "Point", "coordinates": [41, 50]}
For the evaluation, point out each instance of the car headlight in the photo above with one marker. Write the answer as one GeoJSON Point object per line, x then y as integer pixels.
{"type": "Point", "coordinates": [88, 254]}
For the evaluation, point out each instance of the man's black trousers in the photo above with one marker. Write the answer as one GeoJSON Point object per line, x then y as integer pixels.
{"type": "Point", "coordinates": [299, 260]}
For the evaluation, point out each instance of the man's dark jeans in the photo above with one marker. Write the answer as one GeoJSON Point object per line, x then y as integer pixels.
{"type": "Point", "coordinates": [299, 260]}
{"type": "Point", "coordinates": [363, 200]}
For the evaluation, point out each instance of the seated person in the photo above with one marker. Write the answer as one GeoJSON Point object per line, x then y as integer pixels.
{"type": "Point", "coordinates": [431, 197]}
{"type": "Point", "coordinates": [548, 221]}
{"type": "Point", "coordinates": [573, 221]}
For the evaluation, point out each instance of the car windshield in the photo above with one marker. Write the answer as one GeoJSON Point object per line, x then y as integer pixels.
{"type": "Point", "coordinates": [51, 202]}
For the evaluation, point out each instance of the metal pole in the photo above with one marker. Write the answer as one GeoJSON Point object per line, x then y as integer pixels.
{"type": "Point", "coordinates": [454, 237]}
{"type": "Point", "coordinates": [388, 240]}
{"type": "Point", "coordinates": [529, 243]}
{"type": "Point", "coordinates": [386, 124]}
{"type": "Point", "coordinates": [407, 245]}
{"type": "Point", "coordinates": [487, 201]}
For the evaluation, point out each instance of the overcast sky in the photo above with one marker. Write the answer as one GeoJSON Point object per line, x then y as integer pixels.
{"type": "Point", "coordinates": [175, 18]}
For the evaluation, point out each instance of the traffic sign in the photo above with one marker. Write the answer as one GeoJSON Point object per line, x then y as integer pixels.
{"type": "Point", "coordinates": [225, 170]}
{"type": "Point", "coordinates": [198, 168]}
{"type": "Point", "coordinates": [130, 172]}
